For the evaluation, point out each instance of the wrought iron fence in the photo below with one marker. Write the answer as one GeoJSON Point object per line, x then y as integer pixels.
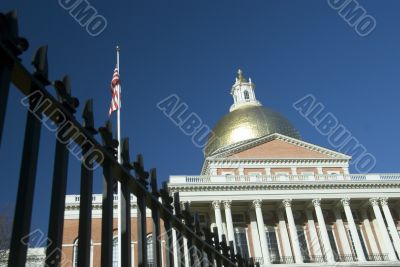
{"type": "Point", "coordinates": [207, 248]}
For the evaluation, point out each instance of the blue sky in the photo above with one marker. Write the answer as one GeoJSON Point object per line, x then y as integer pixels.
{"type": "Point", "coordinates": [193, 49]}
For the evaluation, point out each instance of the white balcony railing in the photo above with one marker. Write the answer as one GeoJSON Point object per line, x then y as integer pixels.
{"type": "Point", "coordinates": [206, 179]}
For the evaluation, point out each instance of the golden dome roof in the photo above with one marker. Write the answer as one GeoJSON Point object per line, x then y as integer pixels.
{"type": "Point", "coordinates": [246, 123]}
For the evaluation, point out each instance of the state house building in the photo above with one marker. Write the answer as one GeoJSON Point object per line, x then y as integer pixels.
{"type": "Point", "coordinates": [280, 199]}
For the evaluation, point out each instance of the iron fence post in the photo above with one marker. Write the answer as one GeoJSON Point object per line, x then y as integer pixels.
{"type": "Point", "coordinates": [86, 191]}
{"type": "Point", "coordinates": [108, 198]}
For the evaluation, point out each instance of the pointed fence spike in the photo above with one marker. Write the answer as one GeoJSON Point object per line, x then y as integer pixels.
{"type": "Point", "coordinates": [88, 117]}
{"type": "Point", "coordinates": [153, 182]}
{"type": "Point", "coordinates": [126, 159]}
{"type": "Point", "coordinates": [40, 64]}
{"type": "Point", "coordinates": [9, 33]}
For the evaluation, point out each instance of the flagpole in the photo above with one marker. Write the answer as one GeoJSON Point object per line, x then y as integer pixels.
{"type": "Point", "coordinates": [120, 161]}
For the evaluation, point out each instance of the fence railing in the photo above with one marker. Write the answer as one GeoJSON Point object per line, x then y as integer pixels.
{"type": "Point", "coordinates": [377, 257]}
{"type": "Point", "coordinates": [44, 107]}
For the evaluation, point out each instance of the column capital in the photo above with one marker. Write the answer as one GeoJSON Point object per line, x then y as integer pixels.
{"type": "Point", "coordinates": [345, 201]}
{"type": "Point", "coordinates": [374, 201]}
{"type": "Point", "coordinates": [316, 202]}
{"type": "Point", "coordinates": [227, 204]}
{"type": "Point", "coordinates": [287, 203]}
{"type": "Point", "coordinates": [257, 203]}
{"type": "Point", "coordinates": [216, 204]}
{"type": "Point", "coordinates": [384, 201]}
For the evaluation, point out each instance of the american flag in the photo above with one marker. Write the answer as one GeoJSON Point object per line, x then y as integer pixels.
{"type": "Point", "coordinates": [115, 92]}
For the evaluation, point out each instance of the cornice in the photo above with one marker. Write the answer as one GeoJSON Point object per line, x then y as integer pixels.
{"type": "Point", "coordinates": [278, 160]}
{"type": "Point", "coordinates": [283, 186]}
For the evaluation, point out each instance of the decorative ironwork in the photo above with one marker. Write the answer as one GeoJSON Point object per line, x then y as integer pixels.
{"type": "Point", "coordinates": [377, 257]}
{"type": "Point", "coordinates": [282, 259]}
{"type": "Point", "coordinates": [345, 258]}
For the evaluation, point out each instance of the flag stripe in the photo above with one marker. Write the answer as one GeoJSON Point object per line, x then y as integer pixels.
{"type": "Point", "coordinates": [115, 93]}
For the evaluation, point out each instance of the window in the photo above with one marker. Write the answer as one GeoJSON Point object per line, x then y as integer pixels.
{"type": "Point", "coordinates": [360, 236]}
{"type": "Point", "coordinates": [241, 242]}
{"type": "Point", "coordinates": [364, 248]}
{"type": "Point", "coordinates": [254, 174]}
{"type": "Point", "coordinates": [238, 218]}
{"type": "Point", "coordinates": [150, 259]}
{"type": "Point", "coordinates": [227, 173]}
{"type": "Point", "coordinates": [303, 243]}
{"type": "Point", "coordinates": [391, 239]}
{"type": "Point", "coordinates": [273, 246]}
{"type": "Point", "coordinates": [115, 252]}
{"type": "Point", "coordinates": [75, 254]}
{"type": "Point", "coordinates": [246, 95]}
{"type": "Point", "coordinates": [332, 241]}
{"type": "Point", "coordinates": [202, 218]}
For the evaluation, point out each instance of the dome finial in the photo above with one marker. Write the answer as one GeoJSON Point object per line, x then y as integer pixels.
{"type": "Point", "coordinates": [240, 76]}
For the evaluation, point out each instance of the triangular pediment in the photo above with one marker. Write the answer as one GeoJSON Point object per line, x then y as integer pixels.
{"type": "Point", "coordinates": [277, 146]}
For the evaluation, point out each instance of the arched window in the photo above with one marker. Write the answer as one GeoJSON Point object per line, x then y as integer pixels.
{"type": "Point", "coordinates": [75, 253]}
{"type": "Point", "coordinates": [241, 242]}
{"type": "Point", "coordinates": [150, 259]}
{"type": "Point", "coordinates": [115, 252]}
{"type": "Point", "coordinates": [246, 95]}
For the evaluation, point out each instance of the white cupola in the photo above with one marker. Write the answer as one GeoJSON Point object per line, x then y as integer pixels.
{"type": "Point", "coordinates": [243, 92]}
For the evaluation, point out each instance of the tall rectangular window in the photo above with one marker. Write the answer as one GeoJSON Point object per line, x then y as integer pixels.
{"type": "Point", "coordinates": [272, 244]}
{"type": "Point", "coordinates": [241, 242]}
{"type": "Point", "coordinates": [303, 243]}
{"type": "Point", "coordinates": [332, 242]}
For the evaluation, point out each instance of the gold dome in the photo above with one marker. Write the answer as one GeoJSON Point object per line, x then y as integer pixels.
{"type": "Point", "coordinates": [246, 123]}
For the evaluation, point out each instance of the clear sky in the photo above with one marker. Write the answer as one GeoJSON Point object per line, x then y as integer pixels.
{"type": "Point", "coordinates": [193, 49]}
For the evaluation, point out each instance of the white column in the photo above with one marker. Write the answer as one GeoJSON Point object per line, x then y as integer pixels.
{"type": "Point", "coordinates": [186, 251]}
{"type": "Point", "coordinates": [319, 170]}
{"type": "Point", "coordinates": [261, 231]}
{"type": "Point", "coordinates": [218, 217]}
{"type": "Point", "coordinates": [342, 232]}
{"type": "Point", "coordinates": [294, 170]}
{"type": "Point", "coordinates": [254, 235]}
{"type": "Point", "coordinates": [229, 222]}
{"type": "Point", "coordinates": [267, 171]}
{"type": "Point", "coordinates": [287, 203]}
{"type": "Point", "coordinates": [133, 254]}
{"type": "Point", "coordinates": [391, 225]}
{"type": "Point", "coordinates": [284, 235]}
{"type": "Point", "coordinates": [163, 249]}
{"type": "Point", "coordinates": [175, 247]}
{"type": "Point", "coordinates": [368, 231]}
{"type": "Point", "coordinates": [241, 171]}
{"type": "Point", "coordinates": [387, 244]}
{"type": "Point", "coordinates": [315, 246]}
{"type": "Point", "coordinates": [379, 239]}
{"type": "Point", "coordinates": [323, 231]}
{"type": "Point", "coordinates": [353, 229]}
